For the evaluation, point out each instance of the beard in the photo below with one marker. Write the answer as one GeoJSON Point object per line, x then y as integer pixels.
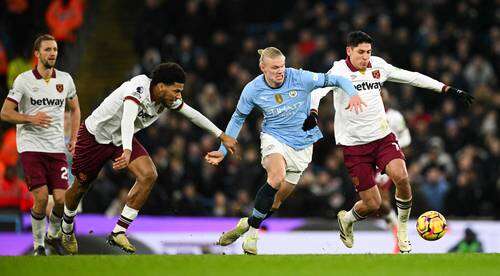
{"type": "Point", "coordinates": [48, 64]}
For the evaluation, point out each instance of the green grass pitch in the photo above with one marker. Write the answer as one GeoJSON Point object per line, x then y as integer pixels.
{"type": "Point", "coordinates": [411, 264]}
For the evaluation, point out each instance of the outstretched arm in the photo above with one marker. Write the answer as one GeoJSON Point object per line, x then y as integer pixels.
{"type": "Point", "coordinates": [423, 81]}
{"type": "Point", "coordinates": [234, 127]}
{"type": "Point", "coordinates": [200, 120]}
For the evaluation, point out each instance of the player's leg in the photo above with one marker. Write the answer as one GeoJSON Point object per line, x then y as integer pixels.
{"type": "Point", "coordinates": [363, 177]}
{"type": "Point", "coordinates": [145, 174]}
{"type": "Point", "coordinates": [35, 175]}
{"type": "Point", "coordinates": [283, 193]}
{"type": "Point", "coordinates": [38, 221]}
{"type": "Point", "coordinates": [72, 198]}
{"type": "Point", "coordinates": [275, 166]}
{"type": "Point", "coordinates": [396, 169]}
{"type": "Point", "coordinates": [53, 235]}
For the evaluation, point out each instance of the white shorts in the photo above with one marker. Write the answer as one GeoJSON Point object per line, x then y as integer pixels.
{"type": "Point", "coordinates": [296, 160]}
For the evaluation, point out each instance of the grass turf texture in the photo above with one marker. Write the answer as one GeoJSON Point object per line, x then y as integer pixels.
{"type": "Point", "coordinates": [411, 264]}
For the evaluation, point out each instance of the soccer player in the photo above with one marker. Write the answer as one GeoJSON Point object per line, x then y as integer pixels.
{"type": "Point", "coordinates": [283, 96]}
{"type": "Point", "coordinates": [367, 140]}
{"type": "Point", "coordinates": [40, 96]}
{"type": "Point", "coordinates": [108, 134]}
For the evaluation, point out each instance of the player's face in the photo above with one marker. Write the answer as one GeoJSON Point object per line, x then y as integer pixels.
{"type": "Point", "coordinates": [274, 70]}
{"type": "Point", "coordinates": [360, 55]}
{"type": "Point", "coordinates": [170, 93]}
{"type": "Point", "coordinates": [47, 53]}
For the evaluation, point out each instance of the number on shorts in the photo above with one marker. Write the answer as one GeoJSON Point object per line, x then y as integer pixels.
{"type": "Point", "coordinates": [64, 174]}
{"type": "Point", "coordinates": [396, 145]}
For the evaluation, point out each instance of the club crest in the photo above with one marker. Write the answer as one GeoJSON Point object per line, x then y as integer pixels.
{"type": "Point", "coordinates": [376, 74]}
{"type": "Point", "coordinates": [292, 94]}
{"type": "Point", "coordinates": [59, 87]}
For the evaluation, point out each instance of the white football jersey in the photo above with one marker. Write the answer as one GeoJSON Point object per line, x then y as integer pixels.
{"type": "Point", "coordinates": [397, 124]}
{"type": "Point", "coordinates": [105, 122]}
{"type": "Point", "coordinates": [371, 124]}
{"type": "Point", "coordinates": [33, 94]}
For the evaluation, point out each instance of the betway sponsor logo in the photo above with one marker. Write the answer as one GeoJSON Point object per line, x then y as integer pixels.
{"type": "Point", "coordinates": [47, 101]}
{"type": "Point", "coordinates": [368, 86]}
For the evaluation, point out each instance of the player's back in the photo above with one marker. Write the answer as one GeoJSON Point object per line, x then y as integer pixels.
{"type": "Point", "coordinates": [33, 94]}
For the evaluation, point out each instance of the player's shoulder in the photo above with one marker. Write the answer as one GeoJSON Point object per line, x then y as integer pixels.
{"type": "Point", "coordinates": [377, 61]}
{"type": "Point", "coordinates": [339, 67]}
{"type": "Point", "coordinates": [140, 80]}
{"type": "Point", "coordinates": [26, 76]}
{"type": "Point", "coordinates": [63, 75]}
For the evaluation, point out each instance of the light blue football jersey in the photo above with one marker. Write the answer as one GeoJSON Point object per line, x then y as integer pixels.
{"type": "Point", "coordinates": [286, 107]}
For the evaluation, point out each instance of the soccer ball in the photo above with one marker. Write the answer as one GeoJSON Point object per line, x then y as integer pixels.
{"type": "Point", "coordinates": [431, 226]}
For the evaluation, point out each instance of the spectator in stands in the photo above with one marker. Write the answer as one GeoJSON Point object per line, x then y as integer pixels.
{"type": "Point", "coordinates": [64, 18]}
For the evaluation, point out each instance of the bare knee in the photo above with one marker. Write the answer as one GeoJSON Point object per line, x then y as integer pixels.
{"type": "Point", "coordinates": [148, 177]}
{"type": "Point", "coordinates": [275, 178]}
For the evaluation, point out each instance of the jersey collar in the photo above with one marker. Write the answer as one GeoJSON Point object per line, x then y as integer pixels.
{"type": "Point", "coordinates": [351, 67]}
{"type": "Point", "coordinates": [267, 84]}
{"type": "Point", "coordinates": [38, 76]}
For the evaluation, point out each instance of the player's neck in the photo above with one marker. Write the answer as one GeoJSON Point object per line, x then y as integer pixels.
{"type": "Point", "coordinates": [46, 73]}
{"type": "Point", "coordinates": [272, 84]}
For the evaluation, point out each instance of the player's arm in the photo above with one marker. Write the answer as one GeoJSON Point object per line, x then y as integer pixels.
{"type": "Point", "coordinates": [75, 117]}
{"type": "Point", "coordinates": [200, 120]}
{"type": "Point", "coordinates": [317, 80]}
{"type": "Point", "coordinates": [11, 115]}
{"type": "Point", "coordinates": [130, 111]}
{"type": "Point", "coordinates": [399, 75]}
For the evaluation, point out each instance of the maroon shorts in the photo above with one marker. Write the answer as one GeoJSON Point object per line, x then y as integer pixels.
{"type": "Point", "coordinates": [363, 160]}
{"type": "Point", "coordinates": [44, 168]}
{"type": "Point", "coordinates": [90, 156]}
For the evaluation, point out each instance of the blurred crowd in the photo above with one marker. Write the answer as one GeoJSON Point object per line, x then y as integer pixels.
{"type": "Point", "coordinates": [453, 160]}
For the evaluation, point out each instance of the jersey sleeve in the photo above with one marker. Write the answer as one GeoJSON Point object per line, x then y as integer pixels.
{"type": "Point", "coordinates": [312, 80]}
{"type": "Point", "coordinates": [245, 103]}
{"type": "Point", "coordinates": [17, 91]}
{"type": "Point", "coordinates": [71, 89]}
{"type": "Point", "coordinates": [395, 74]}
{"type": "Point", "coordinates": [317, 95]}
{"type": "Point", "coordinates": [177, 105]}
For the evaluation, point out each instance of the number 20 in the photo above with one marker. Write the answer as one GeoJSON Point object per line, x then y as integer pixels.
{"type": "Point", "coordinates": [64, 174]}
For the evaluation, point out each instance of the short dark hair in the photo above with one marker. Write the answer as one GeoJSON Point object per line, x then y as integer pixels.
{"type": "Point", "coordinates": [168, 73]}
{"type": "Point", "coordinates": [40, 39]}
{"type": "Point", "coordinates": [357, 37]}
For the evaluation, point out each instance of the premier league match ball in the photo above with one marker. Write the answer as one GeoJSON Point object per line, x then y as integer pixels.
{"type": "Point", "coordinates": [431, 226]}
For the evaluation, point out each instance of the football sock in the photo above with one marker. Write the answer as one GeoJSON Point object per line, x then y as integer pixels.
{"type": "Point", "coordinates": [353, 216]}
{"type": "Point", "coordinates": [404, 208]}
{"type": "Point", "coordinates": [38, 225]}
{"type": "Point", "coordinates": [128, 215]}
{"type": "Point", "coordinates": [263, 203]}
{"type": "Point", "coordinates": [68, 220]}
{"type": "Point", "coordinates": [54, 224]}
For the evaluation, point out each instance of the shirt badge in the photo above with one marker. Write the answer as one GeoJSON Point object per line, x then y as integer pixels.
{"type": "Point", "coordinates": [60, 87]}
{"type": "Point", "coordinates": [278, 98]}
{"type": "Point", "coordinates": [292, 94]}
{"type": "Point", "coordinates": [376, 74]}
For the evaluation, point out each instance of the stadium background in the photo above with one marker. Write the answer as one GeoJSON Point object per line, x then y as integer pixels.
{"type": "Point", "coordinates": [454, 157]}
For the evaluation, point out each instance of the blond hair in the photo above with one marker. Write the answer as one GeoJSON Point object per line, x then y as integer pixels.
{"type": "Point", "coordinates": [269, 52]}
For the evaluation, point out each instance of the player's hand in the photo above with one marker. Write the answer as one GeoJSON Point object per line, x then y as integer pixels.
{"type": "Point", "coordinates": [311, 121]}
{"type": "Point", "coordinates": [465, 97]}
{"type": "Point", "coordinates": [229, 142]}
{"type": "Point", "coordinates": [41, 119]}
{"type": "Point", "coordinates": [71, 146]}
{"type": "Point", "coordinates": [214, 157]}
{"type": "Point", "coordinates": [122, 161]}
{"type": "Point", "coordinates": [355, 103]}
